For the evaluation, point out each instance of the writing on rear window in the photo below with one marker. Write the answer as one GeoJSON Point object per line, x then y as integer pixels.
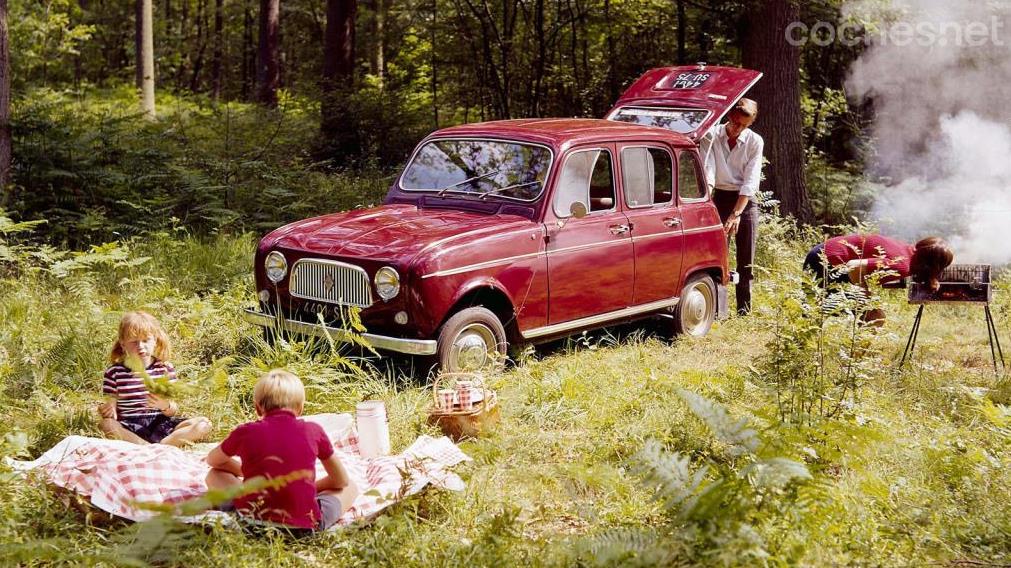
{"type": "Point", "coordinates": [689, 80]}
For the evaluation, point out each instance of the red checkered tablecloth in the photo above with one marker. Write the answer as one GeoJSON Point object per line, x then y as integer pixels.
{"type": "Point", "coordinates": [119, 477]}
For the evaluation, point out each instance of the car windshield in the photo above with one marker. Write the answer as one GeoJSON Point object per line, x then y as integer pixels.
{"type": "Point", "coordinates": [483, 168]}
{"type": "Point", "coordinates": [682, 120]}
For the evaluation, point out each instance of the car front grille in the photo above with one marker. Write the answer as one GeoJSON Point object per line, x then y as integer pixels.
{"type": "Point", "coordinates": [330, 281]}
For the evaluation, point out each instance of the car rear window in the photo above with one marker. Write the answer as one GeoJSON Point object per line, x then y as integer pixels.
{"type": "Point", "coordinates": [681, 120]}
{"type": "Point", "coordinates": [483, 168]}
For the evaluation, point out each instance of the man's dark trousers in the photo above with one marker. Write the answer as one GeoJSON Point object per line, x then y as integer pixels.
{"type": "Point", "coordinates": [747, 236]}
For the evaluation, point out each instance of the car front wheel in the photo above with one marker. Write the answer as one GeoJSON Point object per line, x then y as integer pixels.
{"type": "Point", "coordinates": [695, 312]}
{"type": "Point", "coordinates": [472, 339]}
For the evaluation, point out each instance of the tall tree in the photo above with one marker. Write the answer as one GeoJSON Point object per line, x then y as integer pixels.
{"type": "Point", "coordinates": [147, 61]}
{"type": "Point", "coordinates": [377, 62]}
{"type": "Point", "coordinates": [765, 49]}
{"type": "Point", "coordinates": [338, 74]}
{"type": "Point", "coordinates": [138, 41]}
{"type": "Point", "coordinates": [268, 62]}
{"type": "Point", "coordinates": [219, 41]}
{"type": "Point", "coordinates": [5, 109]}
{"type": "Point", "coordinates": [339, 42]}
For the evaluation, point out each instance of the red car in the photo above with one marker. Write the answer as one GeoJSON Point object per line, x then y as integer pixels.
{"type": "Point", "coordinates": [519, 231]}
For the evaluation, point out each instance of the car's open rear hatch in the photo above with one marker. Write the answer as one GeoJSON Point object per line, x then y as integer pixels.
{"type": "Point", "coordinates": [688, 99]}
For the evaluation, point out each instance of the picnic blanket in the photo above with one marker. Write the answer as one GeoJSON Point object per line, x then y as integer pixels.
{"type": "Point", "coordinates": [118, 476]}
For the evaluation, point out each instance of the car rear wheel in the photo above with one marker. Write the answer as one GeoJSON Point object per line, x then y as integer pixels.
{"type": "Point", "coordinates": [695, 312]}
{"type": "Point", "coordinates": [472, 339]}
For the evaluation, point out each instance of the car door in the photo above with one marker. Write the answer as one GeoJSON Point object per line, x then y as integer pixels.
{"type": "Point", "coordinates": [590, 265]}
{"type": "Point", "coordinates": [647, 186]}
{"type": "Point", "coordinates": [700, 222]}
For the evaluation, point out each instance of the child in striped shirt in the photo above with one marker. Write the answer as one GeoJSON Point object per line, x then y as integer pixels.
{"type": "Point", "coordinates": [134, 414]}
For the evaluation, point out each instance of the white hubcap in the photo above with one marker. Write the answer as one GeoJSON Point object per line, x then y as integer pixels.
{"type": "Point", "coordinates": [474, 348]}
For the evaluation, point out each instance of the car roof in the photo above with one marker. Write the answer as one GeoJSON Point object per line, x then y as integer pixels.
{"type": "Point", "coordinates": [560, 131]}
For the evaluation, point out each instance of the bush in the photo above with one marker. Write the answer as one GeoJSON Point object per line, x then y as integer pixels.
{"type": "Point", "coordinates": [98, 171]}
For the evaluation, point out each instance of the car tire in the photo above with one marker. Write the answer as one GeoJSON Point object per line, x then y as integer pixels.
{"type": "Point", "coordinates": [695, 312]}
{"type": "Point", "coordinates": [472, 339]}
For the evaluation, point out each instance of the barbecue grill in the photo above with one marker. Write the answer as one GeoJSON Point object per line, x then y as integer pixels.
{"type": "Point", "coordinates": [965, 283]}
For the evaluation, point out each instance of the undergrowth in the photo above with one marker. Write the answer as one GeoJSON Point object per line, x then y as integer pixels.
{"type": "Point", "coordinates": [616, 448]}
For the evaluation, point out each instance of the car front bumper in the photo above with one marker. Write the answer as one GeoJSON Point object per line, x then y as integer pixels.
{"type": "Point", "coordinates": [397, 344]}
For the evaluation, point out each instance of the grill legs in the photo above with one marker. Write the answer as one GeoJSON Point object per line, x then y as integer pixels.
{"type": "Point", "coordinates": [911, 342]}
{"type": "Point", "coordinates": [991, 332]}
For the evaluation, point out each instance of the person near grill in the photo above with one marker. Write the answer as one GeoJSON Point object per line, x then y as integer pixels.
{"type": "Point", "coordinates": [283, 448]}
{"type": "Point", "coordinates": [734, 169]}
{"type": "Point", "coordinates": [132, 413]}
{"type": "Point", "coordinates": [854, 258]}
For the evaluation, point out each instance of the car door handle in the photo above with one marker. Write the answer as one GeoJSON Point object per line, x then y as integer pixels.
{"type": "Point", "coordinates": [672, 221]}
{"type": "Point", "coordinates": [619, 229]}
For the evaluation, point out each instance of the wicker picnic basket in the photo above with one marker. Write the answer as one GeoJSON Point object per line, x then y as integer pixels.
{"type": "Point", "coordinates": [459, 423]}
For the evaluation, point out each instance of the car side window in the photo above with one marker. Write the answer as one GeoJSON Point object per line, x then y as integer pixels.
{"type": "Point", "coordinates": [647, 176]}
{"type": "Point", "coordinates": [586, 178]}
{"type": "Point", "coordinates": [690, 186]}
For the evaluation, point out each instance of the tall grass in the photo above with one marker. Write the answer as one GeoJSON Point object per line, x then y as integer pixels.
{"type": "Point", "coordinates": [914, 472]}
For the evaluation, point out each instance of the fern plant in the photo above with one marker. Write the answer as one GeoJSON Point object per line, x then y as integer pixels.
{"type": "Point", "coordinates": [714, 506]}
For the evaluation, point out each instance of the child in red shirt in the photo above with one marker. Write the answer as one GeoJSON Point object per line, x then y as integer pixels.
{"type": "Point", "coordinates": [281, 445]}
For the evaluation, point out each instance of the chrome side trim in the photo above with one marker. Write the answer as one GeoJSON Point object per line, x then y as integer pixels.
{"type": "Point", "coordinates": [480, 265]}
{"type": "Point", "coordinates": [598, 319]}
{"type": "Point", "coordinates": [398, 344]}
{"type": "Point", "coordinates": [660, 234]}
{"type": "Point", "coordinates": [615, 241]}
{"type": "Point", "coordinates": [702, 228]}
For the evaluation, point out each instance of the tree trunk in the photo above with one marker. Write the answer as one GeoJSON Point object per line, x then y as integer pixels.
{"type": "Point", "coordinates": [138, 43]}
{"type": "Point", "coordinates": [780, 122]}
{"type": "Point", "coordinates": [338, 77]}
{"type": "Point", "coordinates": [5, 111]}
{"type": "Point", "coordinates": [378, 60]}
{"type": "Point", "coordinates": [268, 66]}
{"type": "Point", "coordinates": [339, 42]}
{"type": "Point", "coordinates": [682, 33]}
{"type": "Point", "coordinates": [248, 52]}
{"type": "Point", "coordinates": [219, 26]}
{"type": "Point", "coordinates": [198, 65]}
{"type": "Point", "coordinates": [147, 61]}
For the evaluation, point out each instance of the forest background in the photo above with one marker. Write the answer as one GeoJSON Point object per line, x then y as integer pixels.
{"type": "Point", "coordinates": [790, 437]}
{"type": "Point", "coordinates": [264, 107]}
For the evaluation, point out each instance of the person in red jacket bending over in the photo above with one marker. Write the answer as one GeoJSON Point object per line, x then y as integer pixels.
{"type": "Point", "coordinates": [852, 258]}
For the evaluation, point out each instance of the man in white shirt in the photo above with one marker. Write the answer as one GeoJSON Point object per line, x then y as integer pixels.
{"type": "Point", "coordinates": [734, 170]}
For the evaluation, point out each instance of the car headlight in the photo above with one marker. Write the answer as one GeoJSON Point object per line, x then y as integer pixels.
{"type": "Point", "coordinates": [387, 282]}
{"type": "Point", "coordinates": [276, 266]}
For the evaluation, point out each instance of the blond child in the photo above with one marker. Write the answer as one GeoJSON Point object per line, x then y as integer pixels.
{"type": "Point", "coordinates": [132, 413]}
{"type": "Point", "coordinates": [282, 445]}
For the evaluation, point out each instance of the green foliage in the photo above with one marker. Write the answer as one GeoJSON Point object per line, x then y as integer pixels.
{"type": "Point", "coordinates": [109, 173]}
{"type": "Point", "coordinates": [838, 194]}
{"type": "Point", "coordinates": [821, 352]}
{"type": "Point", "coordinates": [715, 508]}
{"type": "Point", "coordinates": [42, 33]}
{"type": "Point", "coordinates": [614, 449]}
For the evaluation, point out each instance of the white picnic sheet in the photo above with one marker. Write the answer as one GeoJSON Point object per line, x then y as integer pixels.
{"type": "Point", "coordinates": [116, 476]}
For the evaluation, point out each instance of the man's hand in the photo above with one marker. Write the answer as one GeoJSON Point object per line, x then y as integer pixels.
{"type": "Point", "coordinates": [731, 226]}
{"type": "Point", "coordinates": [107, 409]}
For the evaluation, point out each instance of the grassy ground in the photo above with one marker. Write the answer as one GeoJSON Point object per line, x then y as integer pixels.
{"type": "Point", "coordinates": [913, 470]}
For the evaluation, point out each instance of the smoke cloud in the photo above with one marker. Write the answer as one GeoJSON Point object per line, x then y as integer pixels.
{"type": "Point", "coordinates": [942, 128]}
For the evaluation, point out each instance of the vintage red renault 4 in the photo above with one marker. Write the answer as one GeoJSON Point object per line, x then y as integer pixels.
{"type": "Point", "coordinates": [509, 232]}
